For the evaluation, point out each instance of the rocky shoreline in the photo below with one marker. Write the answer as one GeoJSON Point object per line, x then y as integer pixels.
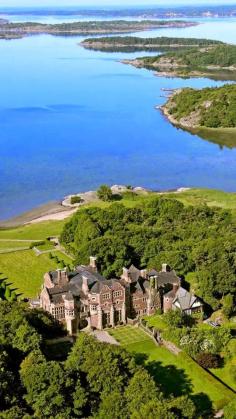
{"type": "Point", "coordinates": [60, 210]}
{"type": "Point", "coordinates": [166, 69]}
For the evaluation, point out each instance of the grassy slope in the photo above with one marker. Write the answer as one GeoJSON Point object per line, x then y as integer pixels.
{"type": "Point", "coordinates": [222, 373]}
{"type": "Point", "coordinates": [24, 270]}
{"type": "Point", "coordinates": [176, 374]}
{"type": "Point", "coordinates": [33, 232]}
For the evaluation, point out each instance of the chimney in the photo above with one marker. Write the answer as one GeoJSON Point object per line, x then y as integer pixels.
{"type": "Point", "coordinates": [175, 287]}
{"type": "Point", "coordinates": [93, 263]}
{"type": "Point", "coordinates": [85, 287]}
{"type": "Point", "coordinates": [62, 277]}
{"type": "Point", "coordinates": [58, 276]}
{"type": "Point", "coordinates": [143, 273]}
{"type": "Point", "coordinates": [165, 268]}
{"type": "Point", "coordinates": [125, 275]}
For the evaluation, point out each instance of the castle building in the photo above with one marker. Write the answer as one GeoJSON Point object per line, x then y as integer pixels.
{"type": "Point", "coordinates": [84, 297]}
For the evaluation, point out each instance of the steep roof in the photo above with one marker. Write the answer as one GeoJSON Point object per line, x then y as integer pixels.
{"type": "Point", "coordinates": [134, 273]}
{"type": "Point", "coordinates": [69, 296]}
{"type": "Point", "coordinates": [184, 298]}
{"type": "Point", "coordinates": [97, 287]}
{"type": "Point", "coordinates": [140, 285]}
{"type": "Point", "coordinates": [165, 278]}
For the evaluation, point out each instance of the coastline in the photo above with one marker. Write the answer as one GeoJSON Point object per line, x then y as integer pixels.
{"type": "Point", "coordinates": [162, 69]}
{"type": "Point", "coordinates": [61, 210]}
{"type": "Point", "coordinates": [224, 137]}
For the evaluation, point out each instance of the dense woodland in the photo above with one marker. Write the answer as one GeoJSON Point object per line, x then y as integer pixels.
{"type": "Point", "coordinates": [85, 27]}
{"type": "Point", "coordinates": [94, 380]}
{"type": "Point", "coordinates": [219, 112]}
{"type": "Point", "coordinates": [222, 55]}
{"type": "Point", "coordinates": [197, 239]}
{"type": "Point", "coordinates": [133, 43]}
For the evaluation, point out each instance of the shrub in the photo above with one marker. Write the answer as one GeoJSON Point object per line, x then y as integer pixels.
{"type": "Point", "coordinates": [207, 360]}
{"type": "Point", "coordinates": [104, 193]}
{"type": "Point", "coordinates": [76, 200]}
{"type": "Point", "coordinates": [158, 312]}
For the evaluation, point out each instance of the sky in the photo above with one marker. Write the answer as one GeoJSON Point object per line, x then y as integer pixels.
{"type": "Point", "coordinates": [41, 3]}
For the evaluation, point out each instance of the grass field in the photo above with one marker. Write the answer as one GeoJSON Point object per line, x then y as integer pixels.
{"type": "Point", "coordinates": [177, 374]}
{"type": "Point", "coordinates": [34, 232]}
{"type": "Point", "coordinates": [24, 270]}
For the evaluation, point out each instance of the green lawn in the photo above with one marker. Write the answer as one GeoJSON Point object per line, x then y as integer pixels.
{"type": "Point", "coordinates": [6, 246]}
{"type": "Point", "coordinates": [156, 321]}
{"type": "Point", "coordinates": [34, 232]}
{"type": "Point", "coordinates": [210, 197]}
{"type": "Point", "coordinates": [224, 373]}
{"type": "Point", "coordinates": [177, 374]}
{"type": "Point", "coordinates": [24, 270]}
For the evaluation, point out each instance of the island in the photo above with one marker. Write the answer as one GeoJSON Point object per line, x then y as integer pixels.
{"type": "Point", "coordinates": [135, 43]}
{"type": "Point", "coordinates": [209, 113]}
{"type": "Point", "coordinates": [215, 60]}
{"type": "Point", "coordinates": [21, 29]}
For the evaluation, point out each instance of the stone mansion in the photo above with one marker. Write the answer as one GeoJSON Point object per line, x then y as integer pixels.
{"type": "Point", "coordinates": [84, 296]}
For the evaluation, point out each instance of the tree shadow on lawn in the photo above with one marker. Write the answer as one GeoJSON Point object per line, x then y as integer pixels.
{"type": "Point", "coordinates": [203, 405]}
{"type": "Point", "coordinates": [174, 381]}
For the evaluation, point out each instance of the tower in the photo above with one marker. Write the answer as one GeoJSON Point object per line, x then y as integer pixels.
{"type": "Point", "coordinates": [70, 313]}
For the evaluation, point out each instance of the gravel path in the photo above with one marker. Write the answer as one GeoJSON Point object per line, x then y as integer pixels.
{"type": "Point", "coordinates": [103, 336]}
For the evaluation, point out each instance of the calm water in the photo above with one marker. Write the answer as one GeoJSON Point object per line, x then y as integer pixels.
{"type": "Point", "coordinates": [71, 119]}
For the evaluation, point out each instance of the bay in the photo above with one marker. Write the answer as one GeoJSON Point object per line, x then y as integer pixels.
{"type": "Point", "coordinates": [71, 119]}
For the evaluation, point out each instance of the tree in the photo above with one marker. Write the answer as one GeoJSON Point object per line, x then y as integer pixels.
{"type": "Point", "coordinates": [45, 384]}
{"type": "Point", "coordinates": [174, 318]}
{"type": "Point", "coordinates": [26, 338]}
{"type": "Point", "coordinates": [104, 193]}
{"type": "Point", "coordinates": [112, 406]}
{"type": "Point", "coordinates": [140, 391]}
{"type": "Point", "coordinates": [153, 409]}
{"type": "Point", "coordinates": [228, 305]}
{"type": "Point", "coordinates": [107, 369]}
{"type": "Point", "coordinates": [182, 407]}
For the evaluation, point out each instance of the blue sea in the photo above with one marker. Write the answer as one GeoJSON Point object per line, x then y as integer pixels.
{"type": "Point", "coordinates": [71, 119]}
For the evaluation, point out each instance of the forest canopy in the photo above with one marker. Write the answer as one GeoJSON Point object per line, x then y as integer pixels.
{"type": "Point", "coordinates": [197, 239]}
{"type": "Point", "coordinates": [216, 107]}
{"type": "Point", "coordinates": [94, 380]}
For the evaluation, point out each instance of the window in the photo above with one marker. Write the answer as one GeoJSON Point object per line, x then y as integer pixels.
{"type": "Point", "coordinates": [106, 296]}
{"type": "Point", "coordinates": [93, 298]}
{"type": "Point", "coordinates": [144, 299]}
{"type": "Point", "coordinates": [93, 308]}
{"type": "Point", "coordinates": [117, 294]}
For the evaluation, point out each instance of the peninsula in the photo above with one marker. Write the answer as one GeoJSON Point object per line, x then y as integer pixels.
{"type": "Point", "coordinates": [13, 29]}
{"type": "Point", "coordinates": [215, 60]}
{"type": "Point", "coordinates": [209, 113]}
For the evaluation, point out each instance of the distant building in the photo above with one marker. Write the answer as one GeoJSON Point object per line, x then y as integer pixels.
{"type": "Point", "coordinates": [84, 296]}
